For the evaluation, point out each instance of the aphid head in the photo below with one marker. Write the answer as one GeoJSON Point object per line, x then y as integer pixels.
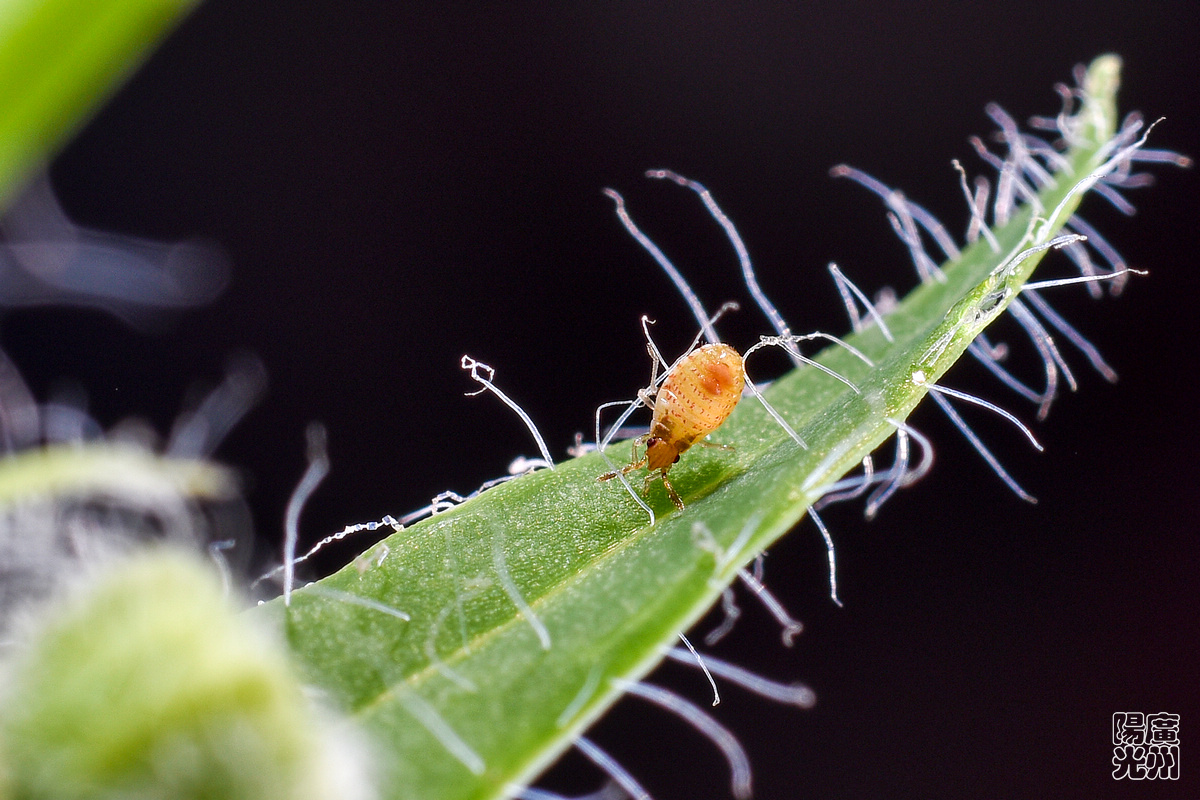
{"type": "Point", "coordinates": [660, 453]}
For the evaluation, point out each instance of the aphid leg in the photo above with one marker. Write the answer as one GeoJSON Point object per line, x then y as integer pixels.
{"type": "Point", "coordinates": [775, 415]}
{"type": "Point", "coordinates": [635, 463]}
{"type": "Point", "coordinates": [603, 442]}
{"type": "Point", "coordinates": [675, 498]}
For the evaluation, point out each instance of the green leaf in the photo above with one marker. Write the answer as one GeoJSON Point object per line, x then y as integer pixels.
{"type": "Point", "coordinates": [529, 605]}
{"type": "Point", "coordinates": [58, 60]}
{"type": "Point", "coordinates": [150, 684]}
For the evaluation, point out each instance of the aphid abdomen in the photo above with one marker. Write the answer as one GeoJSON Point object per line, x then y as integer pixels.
{"type": "Point", "coordinates": [698, 395]}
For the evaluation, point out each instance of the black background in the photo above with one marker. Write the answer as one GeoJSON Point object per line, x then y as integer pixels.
{"type": "Point", "coordinates": [396, 185]}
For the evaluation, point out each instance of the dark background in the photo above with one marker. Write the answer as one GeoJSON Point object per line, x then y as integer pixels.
{"type": "Point", "coordinates": [396, 186]}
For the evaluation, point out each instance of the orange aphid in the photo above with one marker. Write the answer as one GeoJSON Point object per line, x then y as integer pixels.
{"type": "Point", "coordinates": [697, 395]}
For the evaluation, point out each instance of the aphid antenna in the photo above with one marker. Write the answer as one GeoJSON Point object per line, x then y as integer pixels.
{"type": "Point", "coordinates": [681, 285]}
{"type": "Point", "coordinates": [698, 661]}
{"type": "Point", "coordinates": [619, 775]}
{"type": "Point", "coordinates": [726, 742]}
{"type": "Point", "coordinates": [432, 721]}
{"type": "Point", "coordinates": [485, 381]}
{"type": "Point", "coordinates": [754, 582]}
{"type": "Point", "coordinates": [197, 434]}
{"type": "Point", "coordinates": [318, 468]}
{"type": "Point", "coordinates": [216, 551]}
{"type": "Point", "coordinates": [510, 588]}
{"type": "Point", "coordinates": [357, 600]}
{"type": "Point", "coordinates": [848, 291]}
{"type": "Point", "coordinates": [603, 442]}
{"type": "Point", "coordinates": [792, 694]}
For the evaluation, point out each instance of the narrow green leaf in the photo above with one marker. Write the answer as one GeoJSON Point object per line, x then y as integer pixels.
{"type": "Point", "coordinates": [528, 605]}
{"type": "Point", "coordinates": [58, 60]}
